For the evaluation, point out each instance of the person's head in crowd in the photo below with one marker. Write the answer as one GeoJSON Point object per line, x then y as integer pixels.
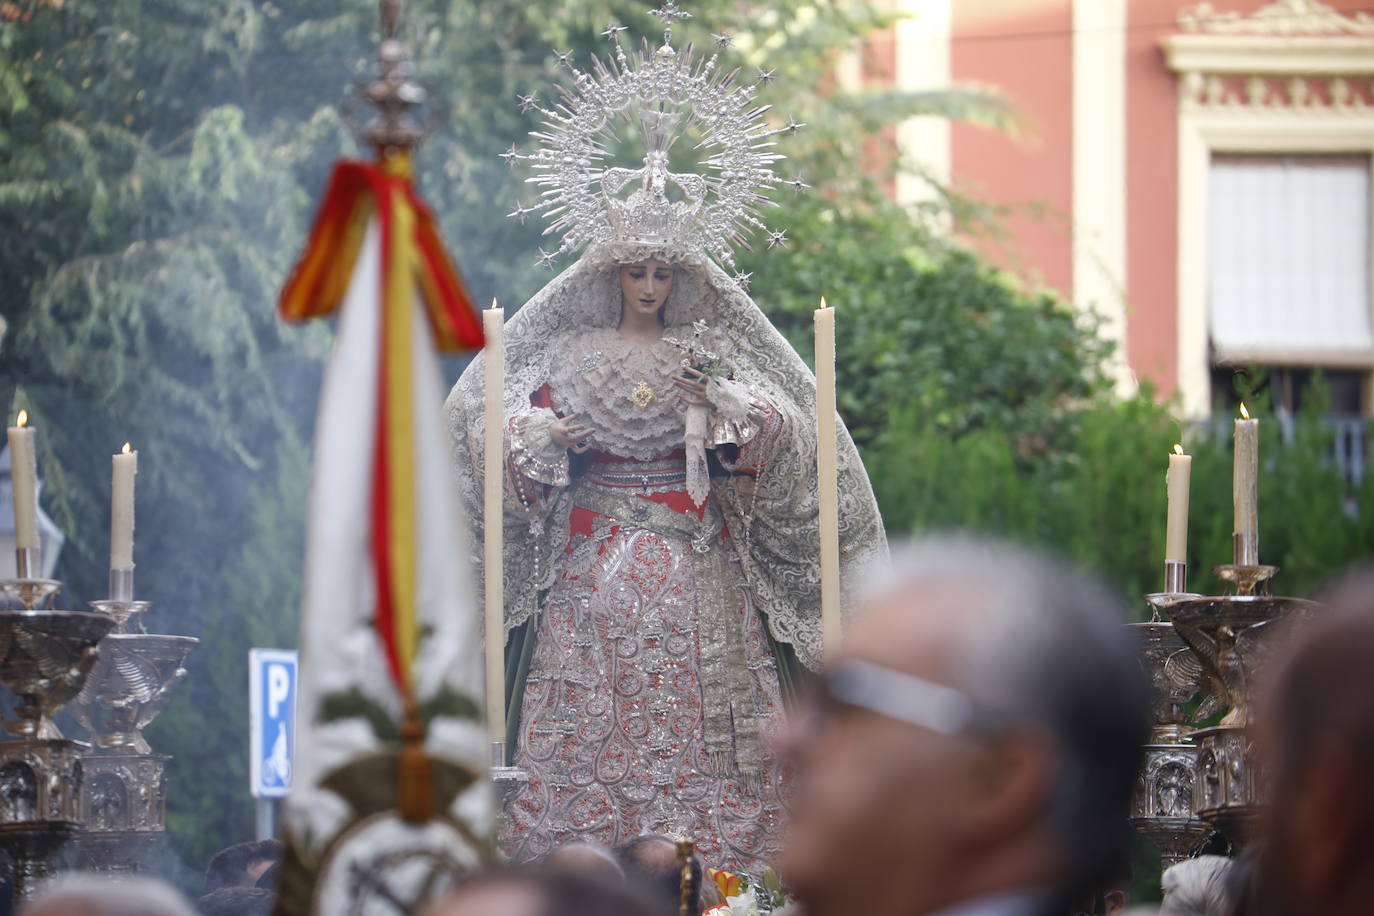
{"type": "Point", "coordinates": [237, 901]}
{"type": "Point", "coordinates": [1315, 725]}
{"type": "Point", "coordinates": [77, 894]}
{"type": "Point", "coordinates": [585, 857]}
{"type": "Point", "coordinates": [976, 737]}
{"type": "Point", "coordinates": [242, 864]}
{"type": "Point", "coordinates": [540, 892]}
{"type": "Point", "coordinates": [651, 864]}
{"type": "Point", "coordinates": [1107, 903]}
{"type": "Point", "coordinates": [1111, 898]}
{"type": "Point", "coordinates": [1196, 887]}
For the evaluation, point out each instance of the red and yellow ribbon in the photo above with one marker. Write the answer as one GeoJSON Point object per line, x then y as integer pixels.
{"type": "Point", "coordinates": [411, 255]}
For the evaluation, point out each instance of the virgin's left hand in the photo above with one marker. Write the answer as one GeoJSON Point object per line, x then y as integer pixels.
{"type": "Point", "coordinates": [691, 387]}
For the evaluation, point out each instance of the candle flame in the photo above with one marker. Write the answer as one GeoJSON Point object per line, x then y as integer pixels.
{"type": "Point", "coordinates": [823, 305]}
{"type": "Point", "coordinates": [125, 449]}
{"type": "Point", "coordinates": [1178, 449]}
{"type": "Point", "coordinates": [23, 418]}
{"type": "Point", "coordinates": [493, 302]}
{"type": "Point", "coordinates": [1245, 414]}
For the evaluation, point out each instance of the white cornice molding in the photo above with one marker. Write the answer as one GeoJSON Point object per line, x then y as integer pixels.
{"type": "Point", "coordinates": [1271, 54]}
{"type": "Point", "coordinates": [1282, 18]}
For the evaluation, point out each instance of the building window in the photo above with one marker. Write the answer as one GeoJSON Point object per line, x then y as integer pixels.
{"type": "Point", "coordinates": [1288, 289]}
{"type": "Point", "coordinates": [1289, 261]}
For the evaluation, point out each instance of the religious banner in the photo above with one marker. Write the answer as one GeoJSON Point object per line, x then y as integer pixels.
{"type": "Point", "coordinates": [390, 799]}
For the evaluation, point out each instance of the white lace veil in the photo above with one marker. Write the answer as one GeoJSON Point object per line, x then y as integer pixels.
{"type": "Point", "coordinates": [772, 518]}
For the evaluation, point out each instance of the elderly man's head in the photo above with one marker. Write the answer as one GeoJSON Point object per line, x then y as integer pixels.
{"type": "Point", "coordinates": [978, 733]}
{"type": "Point", "coordinates": [79, 894]}
{"type": "Point", "coordinates": [1316, 729]}
{"type": "Point", "coordinates": [520, 892]}
{"type": "Point", "coordinates": [585, 857]}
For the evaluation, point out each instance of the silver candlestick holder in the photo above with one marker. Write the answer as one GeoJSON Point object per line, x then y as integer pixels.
{"type": "Point", "coordinates": [28, 589]}
{"type": "Point", "coordinates": [1232, 636]}
{"type": "Point", "coordinates": [125, 794]}
{"type": "Point", "coordinates": [45, 657]}
{"type": "Point", "coordinates": [507, 778]}
{"type": "Point", "coordinates": [1162, 803]}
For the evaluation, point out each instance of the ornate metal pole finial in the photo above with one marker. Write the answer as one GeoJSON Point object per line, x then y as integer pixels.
{"type": "Point", "coordinates": [394, 128]}
{"type": "Point", "coordinates": [390, 11]}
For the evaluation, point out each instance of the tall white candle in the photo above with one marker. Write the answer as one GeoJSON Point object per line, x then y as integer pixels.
{"type": "Point", "coordinates": [1178, 483]}
{"type": "Point", "coordinates": [125, 468]}
{"type": "Point", "coordinates": [24, 482]}
{"type": "Point", "coordinates": [827, 476]}
{"type": "Point", "coordinates": [1245, 489]}
{"type": "Point", "coordinates": [494, 461]}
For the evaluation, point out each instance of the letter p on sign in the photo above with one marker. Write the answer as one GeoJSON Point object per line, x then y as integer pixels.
{"type": "Point", "coordinates": [278, 689]}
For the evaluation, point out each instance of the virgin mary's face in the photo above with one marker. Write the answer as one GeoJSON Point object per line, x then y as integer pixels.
{"type": "Point", "coordinates": [645, 285]}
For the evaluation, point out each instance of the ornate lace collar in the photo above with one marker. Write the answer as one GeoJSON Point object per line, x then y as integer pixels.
{"type": "Point", "coordinates": [623, 389]}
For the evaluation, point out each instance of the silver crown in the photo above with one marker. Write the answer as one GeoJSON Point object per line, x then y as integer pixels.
{"type": "Point", "coordinates": [659, 95]}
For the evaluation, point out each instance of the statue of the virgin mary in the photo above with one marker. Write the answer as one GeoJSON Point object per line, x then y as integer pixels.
{"type": "Point", "coordinates": [661, 568]}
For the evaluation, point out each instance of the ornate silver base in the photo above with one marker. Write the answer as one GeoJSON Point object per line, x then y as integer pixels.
{"type": "Point", "coordinates": [1176, 838]}
{"type": "Point", "coordinates": [1227, 792]}
{"type": "Point", "coordinates": [1162, 805]}
{"type": "Point", "coordinates": [1174, 676]}
{"type": "Point", "coordinates": [123, 803]}
{"type": "Point", "coordinates": [129, 686]}
{"type": "Point", "coordinates": [44, 659]}
{"type": "Point", "coordinates": [40, 804]}
{"type": "Point", "coordinates": [1232, 635]}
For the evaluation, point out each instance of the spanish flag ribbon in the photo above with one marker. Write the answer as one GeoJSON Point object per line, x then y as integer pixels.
{"type": "Point", "coordinates": [412, 257]}
{"type": "Point", "coordinates": [358, 190]}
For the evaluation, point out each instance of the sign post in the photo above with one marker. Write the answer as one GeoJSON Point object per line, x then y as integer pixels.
{"type": "Point", "coordinates": [271, 729]}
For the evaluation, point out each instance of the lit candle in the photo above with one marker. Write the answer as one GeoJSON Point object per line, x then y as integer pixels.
{"type": "Point", "coordinates": [24, 483]}
{"type": "Point", "coordinates": [827, 477]}
{"type": "Point", "coordinates": [494, 461]}
{"type": "Point", "coordinates": [125, 467]}
{"type": "Point", "coordinates": [1177, 484]}
{"type": "Point", "coordinates": [1245, 490]}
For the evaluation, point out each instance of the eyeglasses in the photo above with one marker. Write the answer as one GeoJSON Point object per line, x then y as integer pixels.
{"type": "Point", "coordinates": [904, 697]}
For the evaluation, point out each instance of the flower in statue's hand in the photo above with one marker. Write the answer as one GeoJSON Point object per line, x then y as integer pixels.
{"type": "Point", "coordinates": [691, 386]}
{"type": "Point", "coordinates": [699, 357]}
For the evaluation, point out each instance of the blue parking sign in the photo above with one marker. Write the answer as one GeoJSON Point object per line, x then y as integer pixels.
{"type": "Point", "coordinates": [271, 720]}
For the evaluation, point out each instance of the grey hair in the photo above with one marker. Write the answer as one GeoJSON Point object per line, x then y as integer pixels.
{"type": "Point", "coordinates": [1046, 646]}
{"type": "Point", "coordinates": [105, 896]}
{"type": "Point", "coordinates": [596, 849]}
{"type": "Point", "coordinates": [1195, 887]}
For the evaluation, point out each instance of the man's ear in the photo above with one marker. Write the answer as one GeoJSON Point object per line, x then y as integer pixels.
{"type": "Point", "coordinates": [1012, 778]}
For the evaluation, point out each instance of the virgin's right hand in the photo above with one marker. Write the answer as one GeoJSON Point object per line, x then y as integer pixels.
{"type": "Point", "coordinates": [571, 433]}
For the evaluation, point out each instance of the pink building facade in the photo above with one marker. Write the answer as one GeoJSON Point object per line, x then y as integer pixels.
{"type": "Point", "coordinates": [1199, 175]}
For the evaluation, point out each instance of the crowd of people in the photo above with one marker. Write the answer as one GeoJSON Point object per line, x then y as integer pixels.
{"type": "Point", "coordinates": [971, 750]}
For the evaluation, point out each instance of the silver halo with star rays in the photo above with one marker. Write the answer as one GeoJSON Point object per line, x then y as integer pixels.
{"type": "Point", "coordinates": [658, 93]}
